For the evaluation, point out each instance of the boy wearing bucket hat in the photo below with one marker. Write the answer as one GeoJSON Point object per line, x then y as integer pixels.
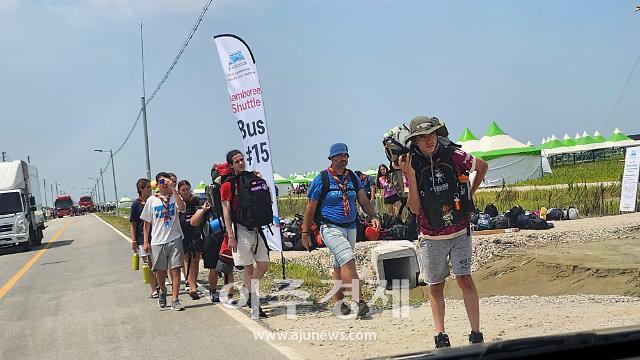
{"type": "Point", "coordinates": [332, 204]}
{"type": "Point", "coordinates": [440, 193]}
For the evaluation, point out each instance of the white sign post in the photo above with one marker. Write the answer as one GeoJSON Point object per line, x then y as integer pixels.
{"type": "Point", "coordinates": [245, 95]}
{"type": "Point", "coordinates": [630, 180]}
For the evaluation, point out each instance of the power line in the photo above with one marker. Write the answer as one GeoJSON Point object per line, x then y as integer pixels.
{"type": "Point", "coordinates": [166, 75]}
{"type": "Point", "coordinates": [624, 88]}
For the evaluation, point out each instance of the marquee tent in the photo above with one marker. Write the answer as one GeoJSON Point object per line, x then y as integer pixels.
{"type": "Point", "coordinates": [509, 160]}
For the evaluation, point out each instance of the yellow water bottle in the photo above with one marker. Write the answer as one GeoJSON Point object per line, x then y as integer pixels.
{"type": "Point", "coordinates": [136, 262]}
{"type": "Point", "coordinates": [146, 273]}
{"type": "Point", "coordinates": [543, 213]}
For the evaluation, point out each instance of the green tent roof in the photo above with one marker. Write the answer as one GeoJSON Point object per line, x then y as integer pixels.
{"type": "Point", "coordinates": [494, 130]}
{"type": "Point", "coordinates": [488, 155]}
{"type": "Point", "coordinates": [202, 185]}
{"type": "Point", "coordinates": [554, 143]}
{"type": "Point", "coordinates": [618, 136]}
{"type": "Point", "coordinates": [568, 141]}
{"type": "Point", "coordinates": [597, 138]}
{"type": "Point", "coordinates": [467, 135]}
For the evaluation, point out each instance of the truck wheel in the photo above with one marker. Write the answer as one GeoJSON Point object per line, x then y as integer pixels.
{"type": "Point", "coordinates": [26, 246]}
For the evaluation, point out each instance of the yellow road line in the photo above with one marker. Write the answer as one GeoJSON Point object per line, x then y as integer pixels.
{"type": "Point", "coordinates": [14, 280]}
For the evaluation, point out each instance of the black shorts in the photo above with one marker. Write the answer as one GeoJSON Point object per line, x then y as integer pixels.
{"type": "Point", "coordinates": [392, 199]}
{"type": "Point", "coordinates": [211, 251]}
{"type": "Point", "coordinates": [195, 244]}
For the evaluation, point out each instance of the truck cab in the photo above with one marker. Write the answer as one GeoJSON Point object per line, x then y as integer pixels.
{"type": "Point", "coordinates": [63, 206]}
{"type": "Point", "coordinates": [21, 216]}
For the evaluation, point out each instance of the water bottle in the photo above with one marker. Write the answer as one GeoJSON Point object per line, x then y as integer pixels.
{"type": "Point", "coordinates": [543, 213]}
{"type": "Point", "coordinates": [146, 273]}
{"type": "Point", "coordinates": [136, 262]}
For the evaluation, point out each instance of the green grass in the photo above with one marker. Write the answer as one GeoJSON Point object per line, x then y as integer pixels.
{"type": "Point", "coordinates": [599, 171]}
{"type": "Point", "coordinates": [118, 222]}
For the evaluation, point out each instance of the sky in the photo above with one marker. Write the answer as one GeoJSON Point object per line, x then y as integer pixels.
{"type": "Point", "coordinates": [331, 71]}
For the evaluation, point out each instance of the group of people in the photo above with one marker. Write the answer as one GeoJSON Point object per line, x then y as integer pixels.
{"type": "Point", "coordinates": [168, 228]}
{"type": "Point", "coordinates": [436, 174]}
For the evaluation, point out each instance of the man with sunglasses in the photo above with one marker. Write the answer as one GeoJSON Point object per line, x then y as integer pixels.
{"type": "Point", "coordinates": [160, 215]}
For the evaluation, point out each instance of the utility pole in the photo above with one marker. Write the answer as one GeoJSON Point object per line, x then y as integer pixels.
{"type": "Point", "coordinates": [144, 108]}
{"type": "Point", "coordinates": [53, 204]}
{"type": "Point", "coordinates": [115, 188]}
{"type": "Point", "coordinates": [57, 192]}
{"type": "Point", "coordinates": [4, 156]}
{"type": "Point", "coordinates": [104, 196]}
{"type": "Point", "coordinates": [45, 193]}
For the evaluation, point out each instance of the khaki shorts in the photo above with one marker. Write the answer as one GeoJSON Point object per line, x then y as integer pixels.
{"type": "Point", "coordinates": [251, 247]}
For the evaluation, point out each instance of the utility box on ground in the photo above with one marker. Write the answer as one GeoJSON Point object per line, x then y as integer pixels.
{"type": "Point", "coordinates": [396, 260]}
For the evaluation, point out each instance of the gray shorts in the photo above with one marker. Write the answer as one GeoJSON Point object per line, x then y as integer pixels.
{"type": "Point", "coordinates": [340, 241]}
{"type": "Point", "coordinates": [167, 256]}
{"type": "Point", "coordinates": [436, 254]}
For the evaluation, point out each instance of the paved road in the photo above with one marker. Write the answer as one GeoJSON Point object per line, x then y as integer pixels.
{"type": "Point", "coordinates": [81, 300]}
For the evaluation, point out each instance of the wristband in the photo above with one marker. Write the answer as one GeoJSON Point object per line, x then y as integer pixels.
{"type": "Point", "coordinates": [304, 232]}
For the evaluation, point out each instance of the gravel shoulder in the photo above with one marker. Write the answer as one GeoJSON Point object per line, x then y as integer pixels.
{"type": "Point", "coordinates": [571, 244]}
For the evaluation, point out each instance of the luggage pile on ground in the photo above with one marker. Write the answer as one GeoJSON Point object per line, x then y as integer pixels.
{"type": "Point", "coordinates": [517, 217]}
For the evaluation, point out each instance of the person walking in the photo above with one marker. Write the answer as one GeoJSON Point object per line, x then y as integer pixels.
{"type": "Point", "coordinates": [332, 203]}
{"type": "Point", "coordinates": [248, 244]}
{"type": "Point", "coordinates": [192, 238]}
{"type": "Point", "coordinates": [143, 186]}
{"type": "Point", "coordinates": [163, 237]}
{"type": "Point", "coordinates": [440, 193]}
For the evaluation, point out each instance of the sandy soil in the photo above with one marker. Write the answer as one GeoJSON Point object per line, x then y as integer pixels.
{"type": "Point", "coordinates": [568, 283]}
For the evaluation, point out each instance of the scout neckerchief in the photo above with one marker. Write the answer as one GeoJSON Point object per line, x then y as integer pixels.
{"type": "Point", "coordinates": [343, 188]}
{"type": "Point", "coordinates": [165, 207]}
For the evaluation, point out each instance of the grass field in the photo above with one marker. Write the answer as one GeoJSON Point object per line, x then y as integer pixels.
{"type": "Point", "coordinates": [600, 171]}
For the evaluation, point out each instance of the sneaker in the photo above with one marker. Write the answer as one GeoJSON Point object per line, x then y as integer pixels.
{"type": "Point", "coordinates": [345, 309]}
{"type": "Point", "coordinates": [194, 295]}
{"type": "Point", "coordinates": [176, 305]}
{"type": "Point", "coordinates": [363, 308]}
{"type": "Point", "coordinates": [475, 337]}
{"type": "Point", "coordinates": [162, 300]}
{"type": "Point", "coordinates": [442, 340]}
{"type": "Point", "coordinates": [259, 313]}
{"type": "Point", "coordinates": [214, 296]}
{"type": "Point", "coordinates": [154, 295]}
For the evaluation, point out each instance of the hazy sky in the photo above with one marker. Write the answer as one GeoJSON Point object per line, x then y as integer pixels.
{"type": "Point", "coordinates": [70, 77]}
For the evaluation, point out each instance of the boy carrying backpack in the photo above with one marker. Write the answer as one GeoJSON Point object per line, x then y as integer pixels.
{"type": "Point", "coordinates": [246, 206]}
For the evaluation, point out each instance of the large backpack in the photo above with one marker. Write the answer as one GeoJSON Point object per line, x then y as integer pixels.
{"type": "Point", "coordinates": [439, 186]}
{"type": "Point", "coordinates": [318, 219]}
{"type": "Point", "coordinates": [254, 201]}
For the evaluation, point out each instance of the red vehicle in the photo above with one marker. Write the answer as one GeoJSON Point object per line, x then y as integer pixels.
{"type": "Point", "coordinates": [87, 203]}
{"type": "Point", "coordinates": [64, 206]}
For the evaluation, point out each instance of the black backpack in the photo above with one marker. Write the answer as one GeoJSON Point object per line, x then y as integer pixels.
{"type": "Point", "coordinates": [254, 201]}
{"type": "Point", "coordinates": [491, 210]}
{"type": "Point", "coordinates": [439, 186]}
{"type": "Point", "coordinates": [554, 214]}
{"type": "Point", "coordinates": [318, 219]}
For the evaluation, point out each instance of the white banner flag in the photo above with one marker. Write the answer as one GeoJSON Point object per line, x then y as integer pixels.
{"type": "Point", "coordinates": [245, 94]}
{"type": "Point", "coordinates": [630, 180]}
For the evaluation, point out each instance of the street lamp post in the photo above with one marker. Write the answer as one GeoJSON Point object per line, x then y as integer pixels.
{"type": "Point", "coordinates": [104, 196]}
{"type": "Point", "coordinates": [113, 170]}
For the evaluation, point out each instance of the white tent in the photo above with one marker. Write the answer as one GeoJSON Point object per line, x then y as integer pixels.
{"type": "Point", "coordinates": [509, 160]}
{"type": "Point", "coordinates": [125, 202]}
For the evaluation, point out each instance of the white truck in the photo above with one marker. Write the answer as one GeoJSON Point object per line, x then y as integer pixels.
{"type": "Point", "coordinates": [21, 216]}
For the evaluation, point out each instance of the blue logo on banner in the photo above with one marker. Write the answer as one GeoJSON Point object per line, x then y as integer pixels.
{"type": "Point", "coordinates": [235, 57]}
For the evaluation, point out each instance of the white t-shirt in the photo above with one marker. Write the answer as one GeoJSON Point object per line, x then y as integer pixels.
{"type": "Point", "coordinates": [165, 224]}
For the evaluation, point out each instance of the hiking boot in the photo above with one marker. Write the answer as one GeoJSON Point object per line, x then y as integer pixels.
{"type": "Point", "coordinates": [214, 296]}
{"type": "Point", "coordinates": [345, 309]}
{"type": "Point", "coordinates": [194, 295]}
{"type": "Point", "coordinates": [442, 340]}
{"type": "Point", "coordinates": [363, 308]}
{"type": "Point", "coordinates": [176, 305]}
{"type": "Point", "coordinates": [259, 313]}
{"type": "Point", "coordinates": [475, 337]}
{"type": "Point", "coordinates": [162, 299]}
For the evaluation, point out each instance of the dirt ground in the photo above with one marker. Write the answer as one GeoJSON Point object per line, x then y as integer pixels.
{"type": "Point", "coordinates": [557, 287]}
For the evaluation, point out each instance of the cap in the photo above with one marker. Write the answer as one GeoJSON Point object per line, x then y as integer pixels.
{"type": "Point", "coordinates": [422, 125]}
{"type": "Point", "coordinates": [337, 149]}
